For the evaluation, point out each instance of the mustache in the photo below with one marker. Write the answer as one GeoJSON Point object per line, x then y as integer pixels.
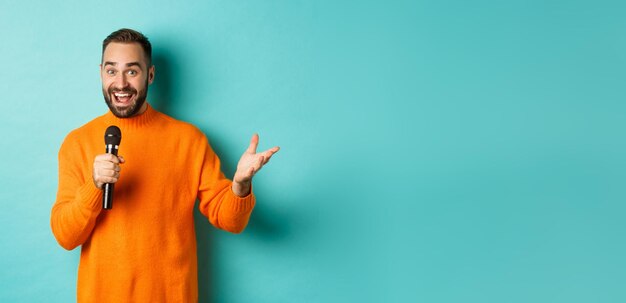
{"type": "Point", "coordinates": [129, 90]}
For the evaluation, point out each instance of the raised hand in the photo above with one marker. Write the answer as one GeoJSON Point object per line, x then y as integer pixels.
{"type": "Point", "coordinates": [249, 164]}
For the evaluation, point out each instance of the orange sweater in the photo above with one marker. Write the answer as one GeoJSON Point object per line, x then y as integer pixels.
{"type": "Point", "coordinates": [144, 249]}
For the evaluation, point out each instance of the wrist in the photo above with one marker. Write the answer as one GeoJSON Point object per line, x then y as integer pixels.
{"type": "Point", "coordinates": [241, 189]}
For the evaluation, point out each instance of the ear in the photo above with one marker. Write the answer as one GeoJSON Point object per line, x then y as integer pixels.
{"type": "Point", "coordinates": [151, 74]}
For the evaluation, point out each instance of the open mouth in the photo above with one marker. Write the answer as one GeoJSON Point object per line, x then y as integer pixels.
{"type": "Point", "coordinates": [123, 98]}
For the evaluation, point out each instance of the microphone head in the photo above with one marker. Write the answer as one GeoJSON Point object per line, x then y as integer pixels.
{"type": "Point", "coordinates": [113, 135]}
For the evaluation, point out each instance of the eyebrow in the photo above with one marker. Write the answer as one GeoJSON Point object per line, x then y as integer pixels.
{"type": "Point", "coordinates": [127, 64]}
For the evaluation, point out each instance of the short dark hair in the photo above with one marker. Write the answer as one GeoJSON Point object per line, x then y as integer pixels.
{"type": "Point", "coordinates": [126, 35]}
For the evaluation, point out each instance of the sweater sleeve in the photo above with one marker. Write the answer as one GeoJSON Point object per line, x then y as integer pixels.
{"type": "Point", "coordinates": [77, 205]}
{"type": "Point", "coordinates": [224, 209]}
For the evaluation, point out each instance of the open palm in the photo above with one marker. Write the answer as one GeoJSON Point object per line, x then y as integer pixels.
{"type": "Point", "coordinates": [251, 162]}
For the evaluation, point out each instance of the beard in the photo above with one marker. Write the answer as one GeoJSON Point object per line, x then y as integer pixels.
{"type": "Point", "coordinates": [130, 110]}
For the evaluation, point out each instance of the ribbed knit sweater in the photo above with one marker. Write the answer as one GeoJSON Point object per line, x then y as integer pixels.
{"type": "Point", "coordinates": [144, 249]}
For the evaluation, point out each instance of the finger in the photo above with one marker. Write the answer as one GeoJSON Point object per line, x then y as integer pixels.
{"type": "Point", "coordinates": [122, 160]}
{"type": "Point", "coordinates": [254, 142]}
{"type": "Point", "coordinates": [107, 179]}
{"type": "Point", "coordinates": [106, 173]}
{"type": "Point", "coordinates": [271, 151]}
{"type": "Point", "coordinates": [107, 158]}
{"type": "Point", "coordinates": [105, 165]}
{"type": "Point", "coordinates": [109, 173]}
{"type": "Point", "coordinates": [267, 159]}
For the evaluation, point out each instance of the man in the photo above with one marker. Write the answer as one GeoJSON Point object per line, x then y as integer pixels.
{"type": "Point", "coordinates": [144, 249]}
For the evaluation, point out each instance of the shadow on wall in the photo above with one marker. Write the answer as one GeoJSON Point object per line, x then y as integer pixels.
{"type": "Point", "coordinates": [260, 227]}
{"type": "Point", "coordinates": [160, 94]}
{"type": "Point", "coordinates": [264, 225]}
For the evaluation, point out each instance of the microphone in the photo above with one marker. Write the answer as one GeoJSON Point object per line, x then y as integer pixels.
{"type": "Point", "coordinates": [112, 139]}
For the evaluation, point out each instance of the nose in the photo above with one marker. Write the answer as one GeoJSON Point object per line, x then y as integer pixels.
{"type": "Point", "coordinates": [121, 81]}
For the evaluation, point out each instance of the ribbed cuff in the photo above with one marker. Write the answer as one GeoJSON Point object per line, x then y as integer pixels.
{"type": "Point", "coordinates": [242, 204]}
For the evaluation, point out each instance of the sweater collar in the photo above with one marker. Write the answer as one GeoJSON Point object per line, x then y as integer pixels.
{"type": "Point", "coordinates": [133, 122]}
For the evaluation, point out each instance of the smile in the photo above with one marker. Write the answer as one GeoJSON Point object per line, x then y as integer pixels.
{"type": "Point", "coordinates": [122, 97]}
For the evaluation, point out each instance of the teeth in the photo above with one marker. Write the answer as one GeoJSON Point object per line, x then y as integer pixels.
{"type": "Point", "coordinates": [122, 95]}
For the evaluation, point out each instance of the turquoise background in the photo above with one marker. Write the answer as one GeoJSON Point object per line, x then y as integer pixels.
{"type": "Point", "coordinates": [432, 151]}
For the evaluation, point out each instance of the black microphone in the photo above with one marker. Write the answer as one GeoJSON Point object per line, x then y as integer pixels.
{"type": "Point", "coordinates": [112, 139]}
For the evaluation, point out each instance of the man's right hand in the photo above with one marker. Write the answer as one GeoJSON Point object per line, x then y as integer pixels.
{"type": "Point", "coordinates": [106, 169]}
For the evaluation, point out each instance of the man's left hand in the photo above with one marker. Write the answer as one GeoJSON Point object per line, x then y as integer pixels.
{"type": "Point", "coordinates": [249, 164]}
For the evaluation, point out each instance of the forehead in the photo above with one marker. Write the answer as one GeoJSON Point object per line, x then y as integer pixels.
{"type": "Point", "coordinates": [123, 53]}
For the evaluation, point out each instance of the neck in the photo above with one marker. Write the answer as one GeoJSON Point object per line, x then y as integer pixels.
{"type": "Point", "coordinates": [142, 110]}
{"type": "Point", "coordinates": [142, 118]}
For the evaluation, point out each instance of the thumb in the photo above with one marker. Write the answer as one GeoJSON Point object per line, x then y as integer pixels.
{"type": "Point", "coordinates": [254, 142]}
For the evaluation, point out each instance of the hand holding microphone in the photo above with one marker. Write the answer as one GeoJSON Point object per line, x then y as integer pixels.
{"type": "Point", "coordinates": [106, 167]}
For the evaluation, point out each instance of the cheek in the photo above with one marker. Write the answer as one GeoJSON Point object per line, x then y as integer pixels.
{"type": "Point", "coordinates": [106, 82]}
{"type": "Point", "coordinates": [140, 84]}
{"type": "Point", "coordinates": [105, 86]}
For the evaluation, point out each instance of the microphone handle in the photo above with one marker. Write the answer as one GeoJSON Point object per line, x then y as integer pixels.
{"type": "Point", "coordinates": [107, 197]}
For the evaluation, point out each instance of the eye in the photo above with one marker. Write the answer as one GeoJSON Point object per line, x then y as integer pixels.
{"type": "Point", "coordinates": [110, 72]}
{"type": "Point", "coordinates": [132, 72]}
